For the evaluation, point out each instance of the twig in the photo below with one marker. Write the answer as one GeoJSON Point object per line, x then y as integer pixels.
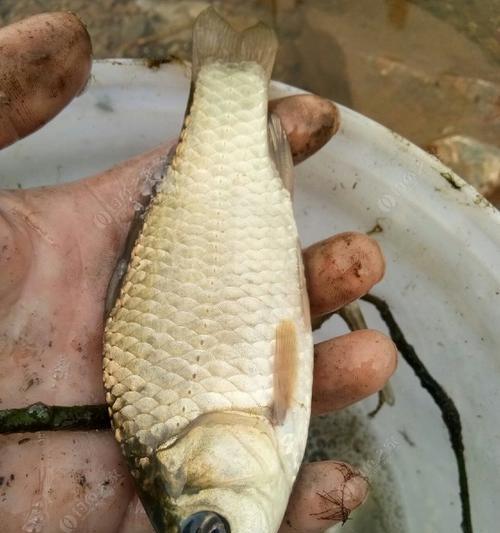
{"type": "Point", "coordinates": [449, 412]}
{"type": "Point", "coordinates": [319, 321]}
{"type": "Point", "coordinates": [353, 316]}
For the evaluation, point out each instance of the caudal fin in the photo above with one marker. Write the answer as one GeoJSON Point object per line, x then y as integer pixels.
{"type": "Point", "coordinates": [215, 40]}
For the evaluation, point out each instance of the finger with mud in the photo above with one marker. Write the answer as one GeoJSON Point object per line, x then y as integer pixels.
{"type": "Point", "coordinates": [340, 270]}
{"type": "Point", "coordinates": [45, 63]}
{"type": "Point", "coordinates": [309, 121]}
{"type": "Point", "coordinates": [324, 494]}
{"type": "Point", "coordinates": [349, 368]}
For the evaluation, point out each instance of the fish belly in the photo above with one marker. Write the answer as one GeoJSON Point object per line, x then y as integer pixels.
{"type": "Point", "coordinates": [213, 273]}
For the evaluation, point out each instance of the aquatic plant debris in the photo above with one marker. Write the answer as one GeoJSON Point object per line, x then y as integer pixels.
{"type": "Point", "coordinates": [41, 417]}
{"type": "Point", "coordinates": [450, 178]}
{"type": "Point", "coordinates": [449, 412]}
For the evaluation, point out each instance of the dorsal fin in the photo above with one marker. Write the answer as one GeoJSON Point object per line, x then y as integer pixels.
{"type": "Point", "coordinates": [215, 40]}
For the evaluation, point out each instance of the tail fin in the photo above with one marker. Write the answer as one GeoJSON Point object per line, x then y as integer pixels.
{"type": "Point", "coordinates": [215, 40]}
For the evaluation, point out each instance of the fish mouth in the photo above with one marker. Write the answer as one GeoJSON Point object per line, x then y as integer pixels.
{"type": "Point", "coordinates": [199, 522]}
{"type": "Point", "coordinates": [165, 517]}
{"type": "Point", "coordinates": [205, 522]}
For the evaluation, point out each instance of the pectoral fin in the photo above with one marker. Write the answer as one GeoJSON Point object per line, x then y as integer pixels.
{"type": "Point", "coordinates": [285, 369]}
{"type": "Point", "coordinates": [280, 151]}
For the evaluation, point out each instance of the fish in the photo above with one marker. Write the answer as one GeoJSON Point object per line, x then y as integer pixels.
{"type": "Point", "coordinates": [208, 348]}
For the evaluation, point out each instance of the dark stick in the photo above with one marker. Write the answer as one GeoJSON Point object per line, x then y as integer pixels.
{"type": "Point", "coordinates": [41, 417]}
{"type": "Point", "coordinates": [449, 412]}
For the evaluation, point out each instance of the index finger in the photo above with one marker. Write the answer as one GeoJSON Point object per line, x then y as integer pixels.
{"type": "Point", "coordinates": [309, 122]}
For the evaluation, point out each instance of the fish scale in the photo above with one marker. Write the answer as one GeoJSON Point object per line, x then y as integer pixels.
{"type": "Point", "coordinates": [211, 275]}
{"type": "Point", "coordinates": [208, 349]}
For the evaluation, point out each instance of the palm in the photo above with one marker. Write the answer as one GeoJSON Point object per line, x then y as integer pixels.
{"type": "Point", "coordinates": [51, 351]}
{"type": "Point", "coordinates": [56, 315]}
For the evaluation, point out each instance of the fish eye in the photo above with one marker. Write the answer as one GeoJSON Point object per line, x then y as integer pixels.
{"type": "Point", "coordinates": [205, 522]}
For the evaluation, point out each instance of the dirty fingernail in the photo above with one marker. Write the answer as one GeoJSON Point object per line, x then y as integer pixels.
{"type": "Point", "coordinates": [325, 494]}
{"type": "Point", "coordinates": [341, 269]}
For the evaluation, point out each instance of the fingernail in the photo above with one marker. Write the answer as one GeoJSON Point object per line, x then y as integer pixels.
{"type": "Point", "coordinates": [355, 492]}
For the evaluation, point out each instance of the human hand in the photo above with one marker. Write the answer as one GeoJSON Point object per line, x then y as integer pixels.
{"type": "Point", "coordinates": [58, 248]}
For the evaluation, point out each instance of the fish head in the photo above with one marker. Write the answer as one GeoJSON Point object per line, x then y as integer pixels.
{"type": "Point", "coordinates": [220, 476]}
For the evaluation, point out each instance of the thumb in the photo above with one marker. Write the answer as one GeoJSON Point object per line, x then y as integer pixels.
{"type": "Point", "coordinates": [15, 251]}
{"type": "Point", "coordinates": [45, 62]}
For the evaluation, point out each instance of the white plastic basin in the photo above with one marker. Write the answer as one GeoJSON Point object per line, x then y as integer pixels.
{"type": "Point", "coordinates": [442, 244]}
